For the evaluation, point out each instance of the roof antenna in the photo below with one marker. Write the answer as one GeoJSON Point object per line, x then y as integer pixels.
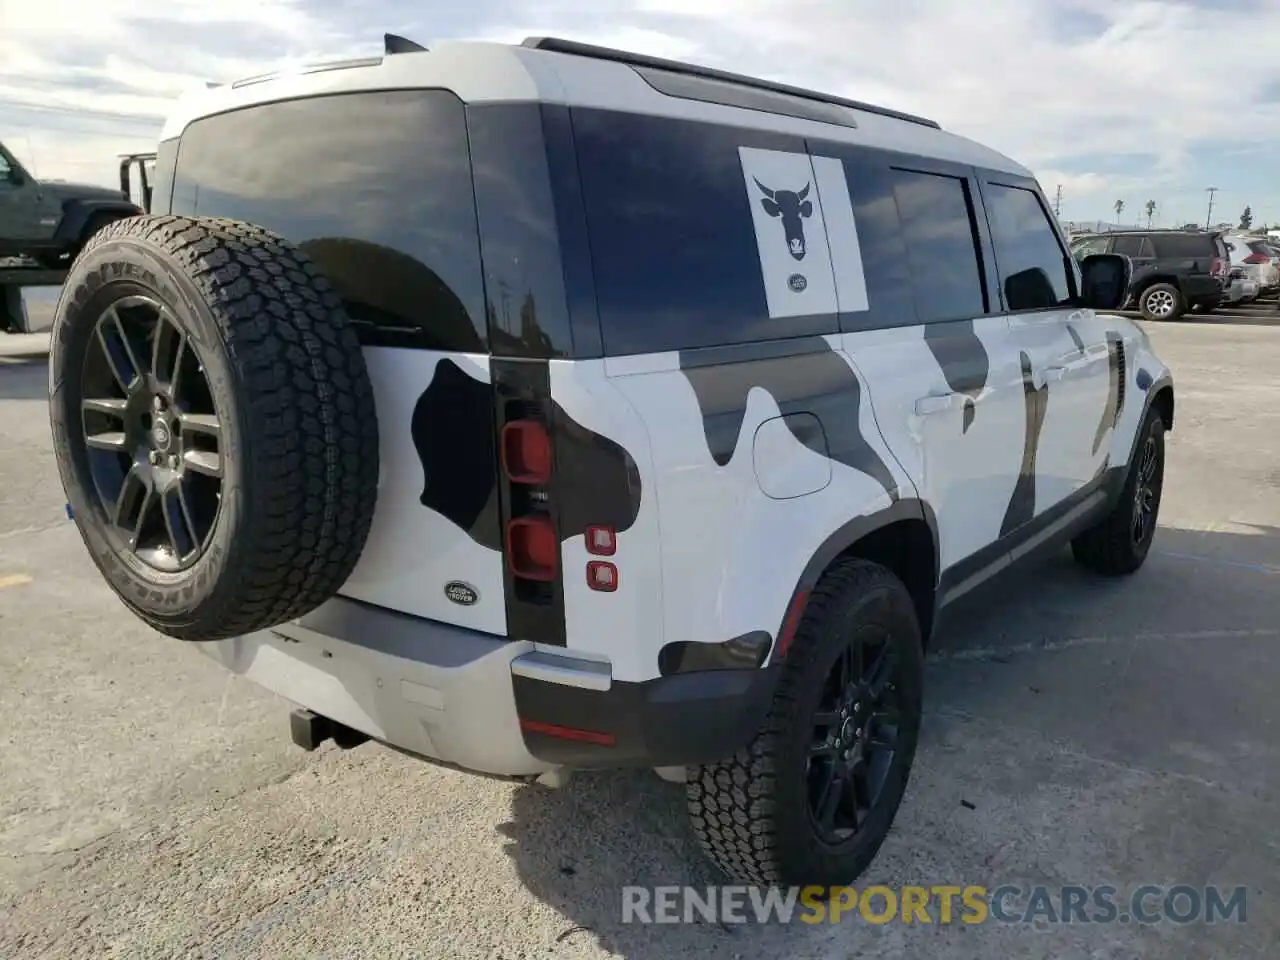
{"type": "Point", "coordinates": [394, 44]}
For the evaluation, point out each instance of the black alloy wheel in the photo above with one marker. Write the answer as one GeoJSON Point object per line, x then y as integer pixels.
{"type": "Point", "coordinates": [1146, 493]}
{"type": "Point", "coordinates": [855, 738]}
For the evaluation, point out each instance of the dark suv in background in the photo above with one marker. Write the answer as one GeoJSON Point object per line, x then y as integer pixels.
{"type": "Point", "coordinates": [1173, 270]}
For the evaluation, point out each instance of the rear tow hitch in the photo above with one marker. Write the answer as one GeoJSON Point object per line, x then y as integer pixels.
{"type": "Point", "coordinates": [308, 730]}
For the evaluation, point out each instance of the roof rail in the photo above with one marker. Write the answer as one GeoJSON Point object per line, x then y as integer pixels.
{"type": "Point", "coordinates": [392, 43]}
{"type": "Point", "coordinates": [557, 45]}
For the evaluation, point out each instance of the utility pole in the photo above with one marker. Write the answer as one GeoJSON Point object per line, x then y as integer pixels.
{"type": "Point", "coordinates": [1057, 202]}
{"type": "Point", "coordinates": [1209, 216]}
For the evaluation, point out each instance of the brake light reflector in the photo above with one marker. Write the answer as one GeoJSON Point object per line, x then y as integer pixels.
{"type": "Point", "coordinates": [526, 452]}
{"type": "Point", "coordinates": [532, 548]}
{"type": "Point", "coordinates": [602, 575]}
{"type": "Point", "coordinates": [601, 541]}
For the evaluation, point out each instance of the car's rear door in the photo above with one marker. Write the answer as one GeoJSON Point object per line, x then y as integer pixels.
{"type": "Point", "coordinates": [376, 188]}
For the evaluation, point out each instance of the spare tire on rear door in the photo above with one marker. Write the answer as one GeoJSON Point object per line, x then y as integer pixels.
{"type": "Point", "coordinates": [213, 423]}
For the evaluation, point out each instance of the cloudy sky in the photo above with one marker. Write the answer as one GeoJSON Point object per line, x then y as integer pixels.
{"type": "Point", "coordinates": [1113, 99]}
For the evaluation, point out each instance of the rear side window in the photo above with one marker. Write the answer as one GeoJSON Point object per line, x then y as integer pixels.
{"type": "Point", "coordinates": [941, 246]}
{"type": "Point", "coordinates": [1183, 245]}
{"type": "Point", "coordinates": [1031, 261]}
{"type": "Point", "coordinates": [1132, 246]}
{"type": "Point", "coordinates": [375, 187]}
{"type": "Point", "coordinates": [673, 236]}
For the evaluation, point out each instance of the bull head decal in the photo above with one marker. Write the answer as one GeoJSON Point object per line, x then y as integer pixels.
{"type": "Point", "coordinates": [793, 208]}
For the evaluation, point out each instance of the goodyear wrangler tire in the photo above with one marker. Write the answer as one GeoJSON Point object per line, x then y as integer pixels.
{"type": "Point", "coordinates": [213, 423]}
{"type": "Point", "coordinates": [812, 797]}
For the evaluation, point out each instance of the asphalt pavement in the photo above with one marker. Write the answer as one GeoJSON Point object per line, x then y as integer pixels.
{"type": "Point", "coordinates": [1078, 732]}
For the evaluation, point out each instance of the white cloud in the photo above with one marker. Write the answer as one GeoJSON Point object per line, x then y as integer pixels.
{"type": "Point", "coordinates": [1096, 95]}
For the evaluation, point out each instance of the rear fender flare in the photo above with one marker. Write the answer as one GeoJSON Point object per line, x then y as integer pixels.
{"type": "Point", "coordinates": [77, 213]}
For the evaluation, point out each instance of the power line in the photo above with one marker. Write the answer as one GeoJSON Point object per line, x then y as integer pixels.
{"type": "Point", "coordinates": [149, 119]}
{"type": "Point", "coordinates": [85, 131]}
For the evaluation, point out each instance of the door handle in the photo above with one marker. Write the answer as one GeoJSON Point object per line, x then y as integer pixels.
{"type": "Point", "coordinates": [934, 403]}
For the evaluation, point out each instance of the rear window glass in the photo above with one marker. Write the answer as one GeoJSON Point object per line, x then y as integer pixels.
{"type": "Point", "coordinates": [1184, 245]}
{"type": "Point", "coordinates": [1132, 246]}
{"type": "Point", "coordinates": [673, 239]}
{"type": "Point", "coordinates": [1262, 248]}
{"type": "Point", "coordinates": [375, 187]}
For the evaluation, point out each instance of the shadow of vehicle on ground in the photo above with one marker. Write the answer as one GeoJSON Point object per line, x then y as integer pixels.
{"type": "Point", "coordinates": [577, 847]}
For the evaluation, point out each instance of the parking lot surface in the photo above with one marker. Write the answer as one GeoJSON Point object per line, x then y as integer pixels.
{"type": "Point", "coordinates": [1078, 732]}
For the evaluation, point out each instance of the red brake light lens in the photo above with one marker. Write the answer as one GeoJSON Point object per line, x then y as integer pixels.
{"type": "Point", "coordinates": [533, 551]}
{"type": "Point", "coordinates": [526, 452]}
{"type": "Point", "coordinates": [601, 541]}
{"type": "Point", "coordinates": [602, 576]}
{"type": "Point", "coordinates": [1257, 258]}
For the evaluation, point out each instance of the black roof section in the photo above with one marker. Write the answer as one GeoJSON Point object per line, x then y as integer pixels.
{"type": "Point", "coordinates": [641, 62]}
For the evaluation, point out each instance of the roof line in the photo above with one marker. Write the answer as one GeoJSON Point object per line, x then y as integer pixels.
{"type": "Point", "coordinates": [574, 48]}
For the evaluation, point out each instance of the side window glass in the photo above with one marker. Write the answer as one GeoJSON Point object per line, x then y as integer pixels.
{"type": "Point", "coordinates": [701, 235]}
{"type": "Point", "coordinates": [1033, 267]}
{"type": "Point", "coordinates": [5, 170]}
{"type": "Point", "coordinates": [1129, 246]}
{"type": "Point", "coordinates": [1086, 248]}
{"type": "Point", "coordinates": [941, 245]}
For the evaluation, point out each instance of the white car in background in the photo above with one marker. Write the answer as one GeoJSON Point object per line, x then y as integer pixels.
{"type": "Point", "coordinates": [1240, 288]}
{"type": "Point", "coordinates": [1259, 258]}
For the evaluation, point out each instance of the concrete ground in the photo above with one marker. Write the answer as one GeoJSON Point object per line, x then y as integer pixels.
{"type": "Point", "coordinates": [1077, 732]}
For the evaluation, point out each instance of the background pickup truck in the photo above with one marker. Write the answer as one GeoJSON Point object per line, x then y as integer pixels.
{"type": "Point", "coordinates": [43, 225]}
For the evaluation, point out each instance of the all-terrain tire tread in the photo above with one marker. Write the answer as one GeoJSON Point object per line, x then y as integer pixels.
{"type": "Point", "coordinates": [730, 802]}
{"type": "Point", "coordinates": [306, 406]}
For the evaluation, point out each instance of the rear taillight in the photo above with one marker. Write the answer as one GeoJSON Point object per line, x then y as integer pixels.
{"type": "Point", "coordinates": [533, 549]}
{"type": "Point", "coordinates": [1257, 258]}
{"type": "Point", "coordinates": [1218, 267]}
{"type": "Point", "coordinates": [526, 452]}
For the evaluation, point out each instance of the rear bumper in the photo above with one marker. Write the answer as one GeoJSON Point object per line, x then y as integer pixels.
{"type": "Point", "coordinates": [1199, 289]}
{"type": "Point", "coordinates": [489, 704]}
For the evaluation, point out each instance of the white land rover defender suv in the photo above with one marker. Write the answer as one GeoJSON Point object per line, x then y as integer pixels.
{"type": "Point", "coordinates": [541, 407]}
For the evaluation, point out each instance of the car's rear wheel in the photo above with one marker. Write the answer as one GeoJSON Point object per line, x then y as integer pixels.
{"type": "Point", "coordinates": [213, 424]}
{"type": "Point", "coordinates": [812, 798]}
{"type": "Point", "coordinates": [1161, 301]}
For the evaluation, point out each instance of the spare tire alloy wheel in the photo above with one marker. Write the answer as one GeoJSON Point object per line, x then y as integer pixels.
{"type": "Point", "coordinates": [213, 422]}
{"type": "Point", "coordinates": [152, 433]}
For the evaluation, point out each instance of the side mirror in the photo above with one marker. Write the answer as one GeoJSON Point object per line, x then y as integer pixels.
{"type": "Point", "coordinates": [1105, 280]}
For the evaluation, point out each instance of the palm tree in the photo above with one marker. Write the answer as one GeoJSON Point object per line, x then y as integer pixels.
{"type": "Point", "coordinates": [1119, 207]}
{"type": "Point", "coordinates": [1151, 210]}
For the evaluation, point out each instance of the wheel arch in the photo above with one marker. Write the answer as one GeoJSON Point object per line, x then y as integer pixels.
{"type": "Point", "coordinates": [76, 215]}
{"type": "Point", "coordinates": [903, 538]}
{"type": "Point", "coordinates": [1162, 400]}
{"type": "Point", "coordinates": [1144, 284]}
